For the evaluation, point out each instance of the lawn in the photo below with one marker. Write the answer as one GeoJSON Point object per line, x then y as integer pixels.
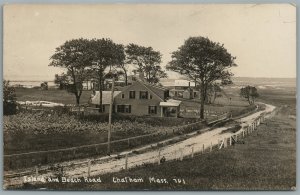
{"type": "Point", "coordinates": [52, 95]}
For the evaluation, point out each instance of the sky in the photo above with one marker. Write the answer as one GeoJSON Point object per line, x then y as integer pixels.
{"type": "Point", "coordinates": [262, 37]}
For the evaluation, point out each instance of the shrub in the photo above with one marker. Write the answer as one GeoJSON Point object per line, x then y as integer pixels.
{"type": "Point", "coordinates": [9, 99]}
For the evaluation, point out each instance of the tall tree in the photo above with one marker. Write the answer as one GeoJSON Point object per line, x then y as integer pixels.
{"type": "Point", "coordinates": [122, 64]}
{"type": "Point", "coordinates": [204, 62]}
{"type": "Point", "coordinates": [147, 61]}
{"type": "Point", "coordinates": [250, 93]}
{"type": "Point", "coordinates": [61, 80]}
{"type": "Point", "coordinates": [74, 56]}
{"type": "Point", "coordinates": [105, 55]}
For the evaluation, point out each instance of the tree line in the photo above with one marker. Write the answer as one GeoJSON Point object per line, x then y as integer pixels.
{"type": "Point", "coordinates": [201, 60]}
{"type": "Point", "coordinates": [250, 93]}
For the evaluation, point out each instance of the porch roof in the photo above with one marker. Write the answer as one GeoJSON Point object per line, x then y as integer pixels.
{"type": "Point", "coordinates": [170, 103]}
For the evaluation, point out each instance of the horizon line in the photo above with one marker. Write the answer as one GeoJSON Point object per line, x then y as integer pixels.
{"type": "Point", "coordinates": [23, 80]}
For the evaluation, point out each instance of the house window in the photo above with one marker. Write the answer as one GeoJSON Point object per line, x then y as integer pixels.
{"type": "Point", "coordinates": [124, 108]}
{"type": "Point", "coordinates": [143, 94]}
{"type": "Point", "coordinates": [131, 94]}
{"type": "Point", "coordinates": [120, 108]}
{"type": "Point", "coordinates": [123, 96]}
{"type": "Point", "coordinates": [152, 110]}
{"type": "Point", "coordinates": [127, 108]}
{"type": "Point", "coordinates": [166, 94]}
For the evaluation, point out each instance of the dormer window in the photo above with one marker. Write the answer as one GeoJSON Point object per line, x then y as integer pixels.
{"type": "Point", "coordinates": [131, 94]}
{"type": "Point", "coordinates": [143, 94]}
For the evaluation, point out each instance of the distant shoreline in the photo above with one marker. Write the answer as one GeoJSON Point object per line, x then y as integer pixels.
{"type": "Point", "coordinates": [289, 78]}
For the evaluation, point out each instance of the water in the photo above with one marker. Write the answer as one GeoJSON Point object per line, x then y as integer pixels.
{"type": "Point", "coordinates": [31, 84]}
{"type": "Point", "coordinates": [238, 81]}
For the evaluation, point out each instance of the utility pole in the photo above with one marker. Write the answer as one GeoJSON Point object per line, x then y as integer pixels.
{"type": "Point", "coordinates": [110, 113]}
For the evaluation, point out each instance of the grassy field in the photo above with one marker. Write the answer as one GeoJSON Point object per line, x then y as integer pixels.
{"type": "Point", "coordinates": [266, 161]}
{"type": "Point", "coordinates": [52, 95]}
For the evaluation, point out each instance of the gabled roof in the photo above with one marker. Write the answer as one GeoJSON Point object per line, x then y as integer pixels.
{"type": "Point", "coordinates": [106, 97]}
{"type": "Point", "coordinates": [153, 88]}
{"type": "Point", "coordinates": [177, 83]}
{"type": "Point", "coordinates": [183, 83]}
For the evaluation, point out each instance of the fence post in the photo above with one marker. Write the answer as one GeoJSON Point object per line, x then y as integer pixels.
{"type": "Point", "coordinates": [221, 144]}
{"type": "Point", "coordinates": [61, 170]}
{"type": "Point", "coordinates": [126, 161]}
{"type": "Point", "coordinates": [243, 133]}
{"type": "Point", "coordinates": [128, 142]}
{"type": "Point", "coordinates": [74, 152]}
{"type": "Point", "coordinates": [230, 140]}
{"type": "Point", "coordinates": [181, 154]}
{"type": "Point", "coordinates": [159, 157]}
{"type": "Point", "coordinates": [210, 146]}
{"type": "Point", "coordinates": [203, 148]}
{"type": "Point", "coordinates": [36, 171]}
{"type": "Point", "coordinates": [89, 168]}
{"type": "Point", "coordinates": [193, 152]}
{"type": "Point", "coordinates": [225, 142]}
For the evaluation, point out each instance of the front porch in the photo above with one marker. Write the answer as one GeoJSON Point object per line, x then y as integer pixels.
{"type": "Point", "coordinates": [170, 108]}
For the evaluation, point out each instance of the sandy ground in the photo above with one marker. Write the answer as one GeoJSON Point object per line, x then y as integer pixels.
{"type": "Point", "coordinates": [194, 144]}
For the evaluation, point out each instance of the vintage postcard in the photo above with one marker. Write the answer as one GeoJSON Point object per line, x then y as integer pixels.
{"type": "Point", "coordinates": [149, 97]}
